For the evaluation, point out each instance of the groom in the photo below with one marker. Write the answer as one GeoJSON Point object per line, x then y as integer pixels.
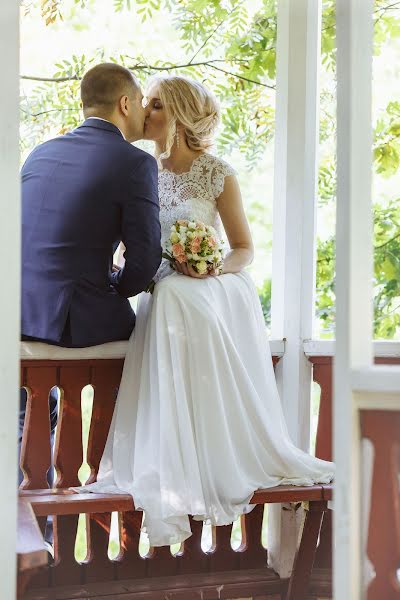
{"type": "Point", "coordinates": [83, 193]}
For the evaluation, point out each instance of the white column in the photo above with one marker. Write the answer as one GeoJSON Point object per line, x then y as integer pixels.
{"type": "Point", "coordinates": [10, 296]}
{"type": "Point", "coordinates": [293, 251]}
{"type": "Point", "coordinates": [354, 292]}
{"type": "Point", "coordinates": [295, 190]}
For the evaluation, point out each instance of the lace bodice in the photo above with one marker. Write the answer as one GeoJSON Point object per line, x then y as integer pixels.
{"type": "Point", "coordinates": [191, 195]}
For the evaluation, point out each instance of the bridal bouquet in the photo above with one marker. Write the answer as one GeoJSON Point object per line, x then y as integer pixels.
{"type": "Point", "coordinates": [196, 244]}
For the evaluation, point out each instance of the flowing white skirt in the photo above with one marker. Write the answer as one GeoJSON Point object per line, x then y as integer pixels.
{"type": "Point", "coordinates": [198, 424]}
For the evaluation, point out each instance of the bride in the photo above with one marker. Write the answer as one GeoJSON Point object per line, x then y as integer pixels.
{"type": "Point", "coordinates": [198, 424]}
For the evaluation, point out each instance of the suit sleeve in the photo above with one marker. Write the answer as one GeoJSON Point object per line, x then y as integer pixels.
{"type": "Point", "coordinates": [140, 231]}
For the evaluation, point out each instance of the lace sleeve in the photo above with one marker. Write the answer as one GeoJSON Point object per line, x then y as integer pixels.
{"type": "Point", "coordinates": [220, 170]}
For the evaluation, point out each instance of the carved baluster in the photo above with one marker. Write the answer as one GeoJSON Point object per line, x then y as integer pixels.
{"type": "Point", "coordinates": [322, 374]}
{"type": "Point", "coordinates": [35, 456]}
{"type": "Point", "coordinates": [98, 567]}
{"type": "Point", "coordinates": [36, 451]}
{"type": "Point", "coordinates": [105, 378]}
{"type": "Point", "coordinates": [222, 557]}
{"type": "Point", "coordinates": [129, 564]}
{"type": "Point", "coordinates": [161, 563]}
{"type": "Point", "coordinates": [192, 559]}
{"type": "Point", "coordinates": [383, 429]}
{"type": "Point", "coordinates": [68, 459]}
{"type": "Point", "coordinates": [252, 554]}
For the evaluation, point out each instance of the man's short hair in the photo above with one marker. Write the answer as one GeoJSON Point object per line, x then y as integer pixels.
{"type": "Point", "coordinates": [103, 85]}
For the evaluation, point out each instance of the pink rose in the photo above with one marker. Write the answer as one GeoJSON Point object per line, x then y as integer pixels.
{"type": "Point", "coordinates": [212, 242]}
{"type": "Point", "coordinates": [178, 250]}
{"type": "Point", "coordinates": [195, 245]}
{"type": "Point", "coordinates": [182, 222]}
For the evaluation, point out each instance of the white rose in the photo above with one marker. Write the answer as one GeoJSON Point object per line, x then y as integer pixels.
{"type": "Point", "coordinates": [174, 237]}
{"type": "Point", "coordinates": [201, 267]}
{"type": "Point", "coordinates": [192, 225]}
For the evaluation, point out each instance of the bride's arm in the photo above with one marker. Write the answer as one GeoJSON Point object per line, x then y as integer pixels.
{"type": "Point", "coordinates": [230, 208]}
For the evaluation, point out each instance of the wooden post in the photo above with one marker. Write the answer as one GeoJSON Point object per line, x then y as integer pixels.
{"type": "Point", "coordinates": [295, 189]}
{"type": "Point", "coordinates": [354, 279]}
{"type": "Point", "coordinates": [10, 297]}
{"type": "Point", "coordinates": [293, 263]}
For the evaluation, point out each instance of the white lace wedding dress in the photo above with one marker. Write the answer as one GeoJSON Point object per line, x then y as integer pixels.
{"type": "Point", "coordinates": [198, 424]}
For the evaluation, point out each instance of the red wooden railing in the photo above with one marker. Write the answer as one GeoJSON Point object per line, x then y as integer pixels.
{"type": "Point", "coordinates": [382, 428]}
{"type": "Point", "coordinates": [39, 376]}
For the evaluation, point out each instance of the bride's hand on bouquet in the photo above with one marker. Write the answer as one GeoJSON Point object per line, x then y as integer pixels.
{"type": "Point", "coordinates": [186, 269]}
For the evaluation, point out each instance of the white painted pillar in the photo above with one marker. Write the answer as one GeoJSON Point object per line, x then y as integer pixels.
{"type": "Point", "coordinates": [293, 250]}
{"type": "Point", "coordinates": [295, 191]}
{"type": "Point", "coordinates": [10, 296]}
{"type": "Point", "coordinates": [354, 293]}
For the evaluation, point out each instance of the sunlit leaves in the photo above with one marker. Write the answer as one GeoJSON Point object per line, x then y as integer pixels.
{"type": "Point", "coordinates": [387, 269]}
{"type": "Point", "coordinates": [264, 293]}
{"type": "Point", "coordinates": [50, 10]}
{"type": "Point", "coordinates": [145, 8]}
{"type": "Point", "coordinates": [233, 51]}
{"type": "Point", "coordinates": [386, 23]}
{"type": "Point", "coordinates": [386, 274]}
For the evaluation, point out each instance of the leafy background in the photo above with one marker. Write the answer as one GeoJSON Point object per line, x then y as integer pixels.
{"type": "Point", "coordinates": [231, 46]}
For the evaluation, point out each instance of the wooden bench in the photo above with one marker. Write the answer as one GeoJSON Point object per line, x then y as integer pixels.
{"type": "Point", "coordinates": [191, 572]}
{"type": "Point", "coordinates": [32, 553]}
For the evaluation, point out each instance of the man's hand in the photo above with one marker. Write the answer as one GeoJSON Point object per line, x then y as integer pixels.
{"type": "Point", "coordinates": [115, 268]}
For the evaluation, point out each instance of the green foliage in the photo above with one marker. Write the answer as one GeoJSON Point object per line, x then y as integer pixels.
{"type": "Point", "coordinates": [387, 269]}
{"type": "Point", "coordinates": [325, 293]}
{"type": "Point", "coordinates": [386, 153]}
{"type": "Point", "coordinates": [229, 50]}
{"type": "Point", "coordinates": [386, 274]}
{"type": "Point", "coordinates": [264, 293]}
{"type": "Point", "coordinates": [387, 141]}
{"type": "Point", "coordinates": [234, 53]}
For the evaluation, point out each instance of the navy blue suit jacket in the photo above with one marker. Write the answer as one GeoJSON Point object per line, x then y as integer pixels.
{"type": "Point", "coordinates": [82, 193]}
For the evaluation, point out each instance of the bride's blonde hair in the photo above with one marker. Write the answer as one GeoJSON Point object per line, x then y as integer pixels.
{"type": "Point", "coordinates": [190, 106]}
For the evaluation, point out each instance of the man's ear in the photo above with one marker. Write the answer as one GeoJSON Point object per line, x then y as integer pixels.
{"type": "Point", "coordinates": [123, 104]}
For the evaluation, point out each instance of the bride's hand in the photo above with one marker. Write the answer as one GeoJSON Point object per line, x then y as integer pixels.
{"type": "Point", "coordinates": [186, 269]}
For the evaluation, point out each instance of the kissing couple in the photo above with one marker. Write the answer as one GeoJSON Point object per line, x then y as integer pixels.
{"type": "Point", "coordinates": [198, 425]}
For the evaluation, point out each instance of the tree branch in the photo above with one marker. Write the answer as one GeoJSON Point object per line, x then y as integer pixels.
{"type": "Point", "coordinates": [271, 87]}
{"type": "Point", "coordinates": [148, 68]}
{"type": "Point", "coordinates": [214, 31]}
{"type": "Point", "coordinates": [383, 9]}
{"type": "Point", "coordinates": [387, 242]}
{"type": "Point", "coordinates": [45, 112]}
{"type": "Point", "coordinates": [51, 79]}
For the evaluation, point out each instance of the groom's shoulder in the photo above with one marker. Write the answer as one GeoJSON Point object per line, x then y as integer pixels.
{"type": "Point", "coordinates": [137, 157]}
{"type": "Point", "coordinates": [38, 150]}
